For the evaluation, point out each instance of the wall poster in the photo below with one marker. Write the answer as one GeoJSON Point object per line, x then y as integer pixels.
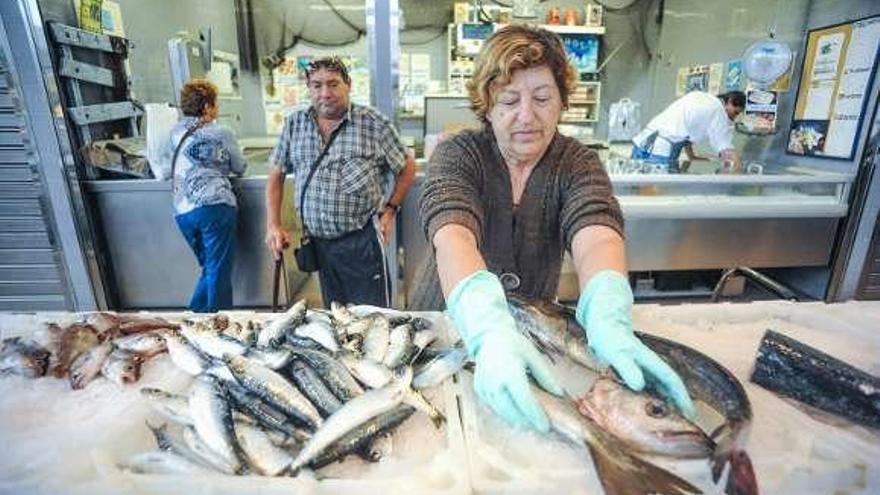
{"type": "Point", "coordinates": [839, 66]}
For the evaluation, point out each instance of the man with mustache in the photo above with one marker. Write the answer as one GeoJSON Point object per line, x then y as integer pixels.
{"type": "Point", "coordinates": [340, 154]}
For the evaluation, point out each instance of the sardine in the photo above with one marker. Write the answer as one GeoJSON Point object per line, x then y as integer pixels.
{"type": "Point", "coordinates": [361, 437]}
{"type": "Point", "coordinates": [130, 324]}
{"type": "Point", "coordinates": [147, 344]}
{"type": "Point", "coordinates": [642, 422]}
{"type": "Point", "coordinates": [272, 358]}
{"type": "Point", "coordinates": [173, 407]}
{"type": "Point", "coordinates": [122, 367]}
{"type": "Point", "coordinates": [332, 372]}
{"type": "Point", "coordinates": [275, 389]}
{"type": "Point", "coordinates": [265, 414]}
{"type": "Point", "coordinates": [310, 384]}
{"type": "Point", "coordinates": [264, 456]}
{"type": "Point", "coordinates": [210, 342]}
{"type": "Point", "coordinates": [272, 334]}
{"type": "Point", "coordinates": [185, 355]}
{"type": "Point", "coordinates": [321, 332]}
{"type": "Point", "coordinates": [367, 371]}
{"type": "Point", "coordinates": [20, 357]}
{"type": "Point", "coordinates": [440, 368]}
{"type": "Point", "coordinates": [400, 345]}
{"type": "Point", "coordinates": [376, 338]}
{"type": "Point", "coordinates": [341, 314]}
{"type": "Point", "coordinates": [196, 449]}
{"type": "Point", "coordinates": [212, 419]}
{"type": "Point", "coordinates": [88, 365]}
{"type": "Point", "coordinates": [355, 413]}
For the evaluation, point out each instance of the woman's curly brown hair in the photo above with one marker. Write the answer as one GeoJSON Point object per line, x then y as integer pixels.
{"type": "Point", "coordinates": [513, 48]}
{"type": "Point", "coordinates": [196, 96]}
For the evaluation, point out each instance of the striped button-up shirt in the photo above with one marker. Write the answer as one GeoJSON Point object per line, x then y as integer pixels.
{"type": "Point", "coordinates": [353, 176]}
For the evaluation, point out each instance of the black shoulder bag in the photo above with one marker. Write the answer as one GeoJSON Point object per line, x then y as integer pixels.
{"type": "Point", "coordinates": [306, 254]}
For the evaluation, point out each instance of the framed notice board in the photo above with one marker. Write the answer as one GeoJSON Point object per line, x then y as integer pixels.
{"type": "Point", "coordinates": [839, 66]}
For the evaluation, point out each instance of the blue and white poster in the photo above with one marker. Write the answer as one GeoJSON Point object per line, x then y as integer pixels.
{"type": "Point", "coordinates": [733, 75]}
{"type": "Point", "coordinates": [583, 51]}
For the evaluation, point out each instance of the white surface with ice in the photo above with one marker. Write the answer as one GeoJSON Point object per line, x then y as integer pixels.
{"type": "Point", "coordinates": [794, 451]}
{"type": "Point", "coordinates": [60, 441]}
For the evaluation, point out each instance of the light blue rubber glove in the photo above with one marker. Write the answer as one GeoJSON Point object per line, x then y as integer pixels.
{"type": "Point", "coordinates": [478, 307]}
{"type": "Point", "coordinates": [604, 310]}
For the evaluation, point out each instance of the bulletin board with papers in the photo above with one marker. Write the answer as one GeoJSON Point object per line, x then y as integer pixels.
{"type": "Point", "coordinates": [839, 66]}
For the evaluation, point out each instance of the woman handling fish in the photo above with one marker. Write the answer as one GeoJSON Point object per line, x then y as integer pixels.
{"type": "Point", "coordinates": [204, 155]}
{"type": "Point", "coordinates": [501, 204]}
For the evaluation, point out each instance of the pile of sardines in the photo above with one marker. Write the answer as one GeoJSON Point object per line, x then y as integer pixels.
{"type": "Point", "coordinates": [306, 389]}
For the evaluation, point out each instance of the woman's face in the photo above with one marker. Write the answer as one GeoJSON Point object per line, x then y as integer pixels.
{"type": "Point", "coordinates": [525, 114]}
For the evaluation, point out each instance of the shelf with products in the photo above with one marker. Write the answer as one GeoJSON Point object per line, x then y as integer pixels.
{"type": "Point", "coordinates": [584, 103]}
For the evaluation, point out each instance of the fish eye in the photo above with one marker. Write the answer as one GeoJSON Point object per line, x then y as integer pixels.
{"type": "Point", "coordinates": [656, 409]}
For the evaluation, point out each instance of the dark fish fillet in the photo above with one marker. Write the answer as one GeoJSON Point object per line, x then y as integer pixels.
{"type": "Point", "coordinates": [794, 369]}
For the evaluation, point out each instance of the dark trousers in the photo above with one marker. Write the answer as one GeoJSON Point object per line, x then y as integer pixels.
{"type": "Point", "coordinates": [352, 269]}
{"type": "Point", "coordinates": [210, 232]}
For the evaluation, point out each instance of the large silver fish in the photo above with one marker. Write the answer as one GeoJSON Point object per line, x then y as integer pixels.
{"type": "Point", "coordinates": [619, 471]}
{"type": "Point", "coordinates": [334, 374]}
{"type": "Point", "coordinates": [643, 422]}
{"type": "Point", "coordinates": [210, 342]}
{"type": "Point", "coordinates": [555, 330]}
{"type": "Point", "coordinates": [311, 385]}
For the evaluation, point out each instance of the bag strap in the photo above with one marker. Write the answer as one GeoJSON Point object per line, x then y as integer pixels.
{"type": "Point", "coordinates": [314, 167]}
{"type": "Point", "coordinates": [189, 132]}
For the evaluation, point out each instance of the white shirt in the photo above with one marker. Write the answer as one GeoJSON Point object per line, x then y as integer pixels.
{"type": "Point", "coordinates": [695, 117]}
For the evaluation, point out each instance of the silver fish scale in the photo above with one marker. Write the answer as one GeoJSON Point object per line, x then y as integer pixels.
{"type": "Point", "coordinates": [360, 437]}
{"type": "Point", "coordinates": [274, 388]}
{"type": "Point", "coordinates": [212, 420]}
{"type": "Point", "coordinates": [310, 384]}
{"type": "Point", "coordinates": [376, 338]}
{"type": "Point", "coordinates": [186, 356]}
{"type": "Point", "coordinates": [399, 343]}
{"type": "Point", "coordinates": [264, 456]}
{"type": "Point", "coordinates": [272, 334]}
{"type": "Point", "coordinates": [333, 373]}
{"type": "Point", "coordinates": [173, 407]}
{"type": "Point", "coordinates": [353, 414]}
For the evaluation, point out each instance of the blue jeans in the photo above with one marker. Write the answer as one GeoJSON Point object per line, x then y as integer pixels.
{"type": "Point", "coordinates": [210, 232]}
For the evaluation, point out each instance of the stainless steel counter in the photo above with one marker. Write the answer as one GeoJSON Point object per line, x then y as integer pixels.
{"type": "Point", "coordinates": [152, 267]}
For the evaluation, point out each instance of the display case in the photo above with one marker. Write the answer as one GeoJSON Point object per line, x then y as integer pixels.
{"type": "Point", "coordinates": [677, 222]}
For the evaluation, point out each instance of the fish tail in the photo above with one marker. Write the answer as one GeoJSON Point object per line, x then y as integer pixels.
{"type": "Point", "coordinates": [622, 473]}
{"type": "Point", "coordinates": [741, 478]}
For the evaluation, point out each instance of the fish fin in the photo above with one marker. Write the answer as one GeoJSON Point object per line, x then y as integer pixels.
{"type": "Point", "coordinates": [622, 473]}
{"type": "Point", "coordinates": [741, 478]}
{"type": "Point", "coordinates": [415, 399]}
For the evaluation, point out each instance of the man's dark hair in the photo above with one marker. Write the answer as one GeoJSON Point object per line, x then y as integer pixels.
{"type": "Point", "coordinates": [334, 64]}
{"type": "Point", "coordinates": [736, 98]}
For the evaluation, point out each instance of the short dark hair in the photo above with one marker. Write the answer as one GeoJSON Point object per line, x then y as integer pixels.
{"type": "Point", "coordinates": [736, 98]}
{"type": "Point", "coordinates": [334, 64]}
{"type": "Point", "coordinates": [196, 96]}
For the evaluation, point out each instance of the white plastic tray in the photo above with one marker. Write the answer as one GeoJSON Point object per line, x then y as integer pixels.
{"type": "Point", "coordinates": [71, 442]}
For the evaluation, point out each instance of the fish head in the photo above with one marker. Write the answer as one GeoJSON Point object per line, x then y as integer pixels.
{"type": "Point", "coordinates": [643, 421]}
{"type": "Point", "coordinates": [130, 370]}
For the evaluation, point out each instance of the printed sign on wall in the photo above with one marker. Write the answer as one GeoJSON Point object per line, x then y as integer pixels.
{"type": "Point", "coordinates": [839, 66]}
